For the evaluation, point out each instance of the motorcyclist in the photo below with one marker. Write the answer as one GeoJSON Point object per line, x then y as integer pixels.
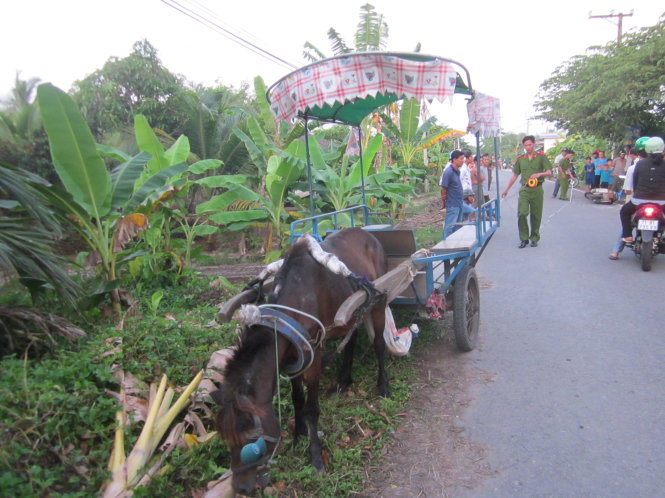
{"type": "Point", "coordinates": [648, 184]}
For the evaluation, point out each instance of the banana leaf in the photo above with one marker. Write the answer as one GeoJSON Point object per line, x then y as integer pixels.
{"type": "Point", "coordinates": [204, 165]}
{"type": "Point", "coordinates": [254, 152]}
{"type": "Point", "coordinates": [124, 179]}
{"type": "Point", "coordinates": [226, 217]}
{"type": "Point", "coordinates": [178, 152]}
{"type": "Point", "coordinates": [153, 185]}
{"type": "Point", "coordinates": [74, 151]}
{"type": "Point", "coordinates": [222, 201]}
{"type": "Point", "coordinates": [147, 141]}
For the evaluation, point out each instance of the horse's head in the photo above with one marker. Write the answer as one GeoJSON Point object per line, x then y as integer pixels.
{"type": "Point", "coordinates": [246, 420]}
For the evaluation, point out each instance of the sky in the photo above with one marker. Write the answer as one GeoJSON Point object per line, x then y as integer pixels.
{"type": "Point", "coordinates": [509, 47]}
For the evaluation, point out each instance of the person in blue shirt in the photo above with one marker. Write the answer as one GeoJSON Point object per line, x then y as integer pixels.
{"type": "Point", "coordinates": [452, 193]}
{"type": "Point", "coordinates": [599, 162]}
{"type": "Point", "coordinates": [606, 174]}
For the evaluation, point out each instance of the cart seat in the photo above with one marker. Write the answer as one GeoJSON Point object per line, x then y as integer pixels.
{"type": "Point", "coordinates": [461, 240]}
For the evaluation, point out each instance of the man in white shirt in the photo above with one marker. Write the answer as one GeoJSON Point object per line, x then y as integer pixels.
{"type": "Point", "coordinates": [465, 171]}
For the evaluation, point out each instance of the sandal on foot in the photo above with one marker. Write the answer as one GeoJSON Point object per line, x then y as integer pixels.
{"type": "Point", "coordinates": [627, 240]}
{"type": "Point", "coordinates": [614, 255]}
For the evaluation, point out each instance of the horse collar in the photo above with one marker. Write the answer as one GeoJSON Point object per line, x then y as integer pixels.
{"type": "Point", "coordinates": [295, 333]}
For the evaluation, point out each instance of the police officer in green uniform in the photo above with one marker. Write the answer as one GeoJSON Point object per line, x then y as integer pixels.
{"type": "Point", "coordinates": [534, 168]}
{"type": "Point", "coordinates": [565, 175]}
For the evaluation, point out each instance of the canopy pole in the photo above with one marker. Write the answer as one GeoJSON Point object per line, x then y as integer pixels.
{"type": "Point", "coordinates": [496, 167]}
{"type": "Point", "coordinates": [362, 175]}
{"type": "Point", "coordinates": [480, 200]}
{"type": "Point", "coordinates": [315, 229]}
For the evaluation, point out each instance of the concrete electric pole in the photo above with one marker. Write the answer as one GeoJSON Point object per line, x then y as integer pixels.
{"type": "Point", "coordinates": [620, 15]}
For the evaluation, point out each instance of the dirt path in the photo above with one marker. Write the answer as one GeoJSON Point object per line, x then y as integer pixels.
{"type": "Point", "coordinates": [430, 455]}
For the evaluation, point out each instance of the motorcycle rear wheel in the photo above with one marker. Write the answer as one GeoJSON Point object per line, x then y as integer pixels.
{"type": "Point", "coordinates": [646, 253]}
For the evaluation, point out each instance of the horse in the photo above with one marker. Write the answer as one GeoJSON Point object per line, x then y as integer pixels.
{"type": "Point", "coordinates": [305, 298]}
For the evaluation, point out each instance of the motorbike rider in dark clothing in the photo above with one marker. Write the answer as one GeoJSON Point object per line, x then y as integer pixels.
{"type": "Point", "coordinates": [648, 184]}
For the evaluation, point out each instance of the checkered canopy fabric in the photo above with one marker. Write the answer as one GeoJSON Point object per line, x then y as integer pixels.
{"type": "Point", "coordinates": [347, 88]}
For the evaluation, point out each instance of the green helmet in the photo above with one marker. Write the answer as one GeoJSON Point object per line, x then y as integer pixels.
{"type": "Point", "coordinates": [640, 143]}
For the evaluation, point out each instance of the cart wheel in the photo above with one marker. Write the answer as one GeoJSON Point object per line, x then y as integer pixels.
{"type": "Point", "coordinates": [466, 309]}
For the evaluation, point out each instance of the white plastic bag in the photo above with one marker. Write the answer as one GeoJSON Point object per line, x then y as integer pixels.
{"type": "Point", "coordinates": [398, 341]}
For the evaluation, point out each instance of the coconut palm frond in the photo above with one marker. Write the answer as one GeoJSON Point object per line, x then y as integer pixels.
{"type": "Point", "coordinates": [372, 30]}
{"type": "Point", "coordinates": [312, 53]}
{"type": "Point", "coordinates": [338, 44]}
{"type": "Point", "coordinates": [24, 330]}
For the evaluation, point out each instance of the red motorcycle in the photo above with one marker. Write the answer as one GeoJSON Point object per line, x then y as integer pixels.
{"type": "Point", "coordinates": [649, 221]}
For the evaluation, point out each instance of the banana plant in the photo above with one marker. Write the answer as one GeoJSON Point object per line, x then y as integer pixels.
{"type": "Point", "coordinates": [408, 136]}
{"type": "Point", "coordinates": [341, 184]}
{"type": "Point", "coordinates": [281, 172]}
{"type": "Point", "coordinates": [105, 208]}
{"type": "Point", "coordinates": [266, 137]}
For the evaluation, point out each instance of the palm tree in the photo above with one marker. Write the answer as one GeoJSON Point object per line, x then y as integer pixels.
{"type": "Point", "coordinates": [27, 228]}
{"type": "Point", "coordinates": [371, 34]}
{"type": "Point", "coordinates": [19, 116]}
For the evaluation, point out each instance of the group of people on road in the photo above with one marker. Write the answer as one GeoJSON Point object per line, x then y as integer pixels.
{"type": "Point", "coordinates": [642, 165]}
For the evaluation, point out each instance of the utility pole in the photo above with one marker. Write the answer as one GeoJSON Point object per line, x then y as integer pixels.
{"type": "Point", "coordinates": [620, 15]}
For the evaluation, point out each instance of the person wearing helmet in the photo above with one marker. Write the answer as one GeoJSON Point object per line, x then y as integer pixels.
{"type": "Point", "coordinates": [648, 182]}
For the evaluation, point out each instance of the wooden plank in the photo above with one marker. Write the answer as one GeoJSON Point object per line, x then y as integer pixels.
{"type": "Point", "coordinates": [461, 240]}
{"type": "Point", "coordinates": [399, 242]}
{"type": "Point", "coordinates": [392, 282]}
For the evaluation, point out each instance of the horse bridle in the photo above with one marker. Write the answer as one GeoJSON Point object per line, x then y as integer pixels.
{"type": "Point", "coordinates": [255, 436]}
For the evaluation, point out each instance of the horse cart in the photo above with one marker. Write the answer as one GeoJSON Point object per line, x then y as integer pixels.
{"type": "Point", "coordinates": [347, 89]}
{"type": "Point", "coordinates": [308, 304]}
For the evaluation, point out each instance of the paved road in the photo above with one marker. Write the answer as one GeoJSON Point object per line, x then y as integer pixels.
{"type": "Point", "coordinates": [575, 343]}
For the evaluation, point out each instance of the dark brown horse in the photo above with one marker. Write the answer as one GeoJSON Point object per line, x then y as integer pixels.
{"type": "Point", "coordinates": [307, 295]}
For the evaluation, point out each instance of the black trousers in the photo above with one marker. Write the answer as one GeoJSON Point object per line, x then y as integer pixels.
{"type": "Point", "coordinates": [625, 214]}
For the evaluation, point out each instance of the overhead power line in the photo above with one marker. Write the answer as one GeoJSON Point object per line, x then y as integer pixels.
{"type": "Point", "coordinates": [227, 33]}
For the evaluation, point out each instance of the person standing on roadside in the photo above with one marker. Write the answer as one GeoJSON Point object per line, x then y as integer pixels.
{"type": "Point", "coordinates": [477, 177]}
{"type": "Point", "coordinates": [599, 162]}
{"type": "Point", "coordinates": [620, 167]}
{"type": "Point", "coordinates": [606, 174]}
{"type": "Point", "coordinates": [486, 164]}
{"type": "Point", "coordinates": [533, 168]}
{"type": "Point", "coordinates": [465, 170]}
{"type": "Point", "coordinates": [589, 173]}
{"type": "Point", "coordinates": [565, 173]}
{"type": "Point", "coordinates": [452, 192]}
{"type": "Point", "coordinates": [562, 171]}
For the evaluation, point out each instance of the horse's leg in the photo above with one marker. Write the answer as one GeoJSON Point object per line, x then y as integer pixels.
{"type": "Point", "coordinates": [378, 323]}
{"type": "Point", "coordinates": [298, 398]}
{"type": "Point", "coordinates": [344, 377]}
{"type": "Point", "coordinates": [312, 411]}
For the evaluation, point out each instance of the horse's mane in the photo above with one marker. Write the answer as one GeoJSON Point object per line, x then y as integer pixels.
{"type": "Point", "coordinates": [235, 417]}
{"type": "Point", "coordinates": [294, 265]}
